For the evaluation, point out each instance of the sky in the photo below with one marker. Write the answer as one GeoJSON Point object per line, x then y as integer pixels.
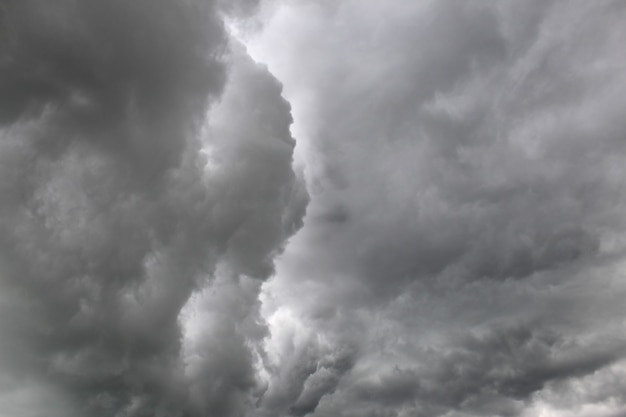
{"type": "Point", "coordinates": [312, 208]}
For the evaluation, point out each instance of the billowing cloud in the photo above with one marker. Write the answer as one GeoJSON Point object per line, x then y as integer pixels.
{"type": "Point", "coordinates": [464, 240]}
{"type": "Point", "coordinates": [444, 236]}
{"type": "Point", "coordinates": [140, 148]}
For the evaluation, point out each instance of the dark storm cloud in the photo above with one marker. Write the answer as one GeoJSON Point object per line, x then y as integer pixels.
{"type": "Point", "coordinates": [466, 226]}
{"type": "Point", "coordinates": [119, 196]}
{"type": "Point", "coordinates": [96, 59]}
{"type": "Point", "coordinates": [461, 255]}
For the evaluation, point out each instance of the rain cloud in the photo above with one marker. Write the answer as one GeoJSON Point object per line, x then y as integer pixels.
{"type": "Point", "coordinates": [403, 208]}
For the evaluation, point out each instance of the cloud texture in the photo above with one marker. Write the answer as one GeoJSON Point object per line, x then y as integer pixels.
{"type": "Point", "coordinates": [140, 149]}
{"type": "Point", "coordinates": [463, 250]}
{"type": "Point", "coordinates": [449, 242]}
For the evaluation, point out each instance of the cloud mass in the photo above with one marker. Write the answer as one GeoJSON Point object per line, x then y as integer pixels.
{"type": "Point", "coordinates": [277, 209]}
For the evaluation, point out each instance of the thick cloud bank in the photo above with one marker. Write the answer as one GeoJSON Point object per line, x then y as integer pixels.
{"type": "Point", "coordinates": [463, 251]}
{"type": "Point", "coordinates": [461, 164]}
{"type": "Point", "coordinates": [142, 156]}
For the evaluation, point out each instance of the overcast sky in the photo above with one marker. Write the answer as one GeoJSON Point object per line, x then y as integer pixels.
{"type": "Point", "coordinates": [321, 208]}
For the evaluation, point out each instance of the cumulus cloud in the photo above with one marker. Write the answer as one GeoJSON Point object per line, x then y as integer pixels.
{"type": "Point", "coordinates": [445, 238]}
{"type": "Point", "coordinates": [140, 148]}
{"type": "Point", "coordinates": [465, 231]}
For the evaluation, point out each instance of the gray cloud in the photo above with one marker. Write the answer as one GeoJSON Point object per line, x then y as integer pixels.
{"type": "Point", "coordinates": [461, 253]}
{"type": "Point", "coordinates": [465, 223]}
{"type": "Point", "coordinates": [115, 210]}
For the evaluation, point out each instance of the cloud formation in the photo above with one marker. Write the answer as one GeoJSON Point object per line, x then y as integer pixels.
{"type": "Point", "coordinates": [140, 149]}
{"type": "Point", "coordinates": [445, 238]}
{"type": "Point", "coordinates": [464, 237]}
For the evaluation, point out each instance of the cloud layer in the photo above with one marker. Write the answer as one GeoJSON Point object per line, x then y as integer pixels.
{"type": "Point", "coordinates": [463, 250]}
{"type": "Point", "coordinates": [445, 238]}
